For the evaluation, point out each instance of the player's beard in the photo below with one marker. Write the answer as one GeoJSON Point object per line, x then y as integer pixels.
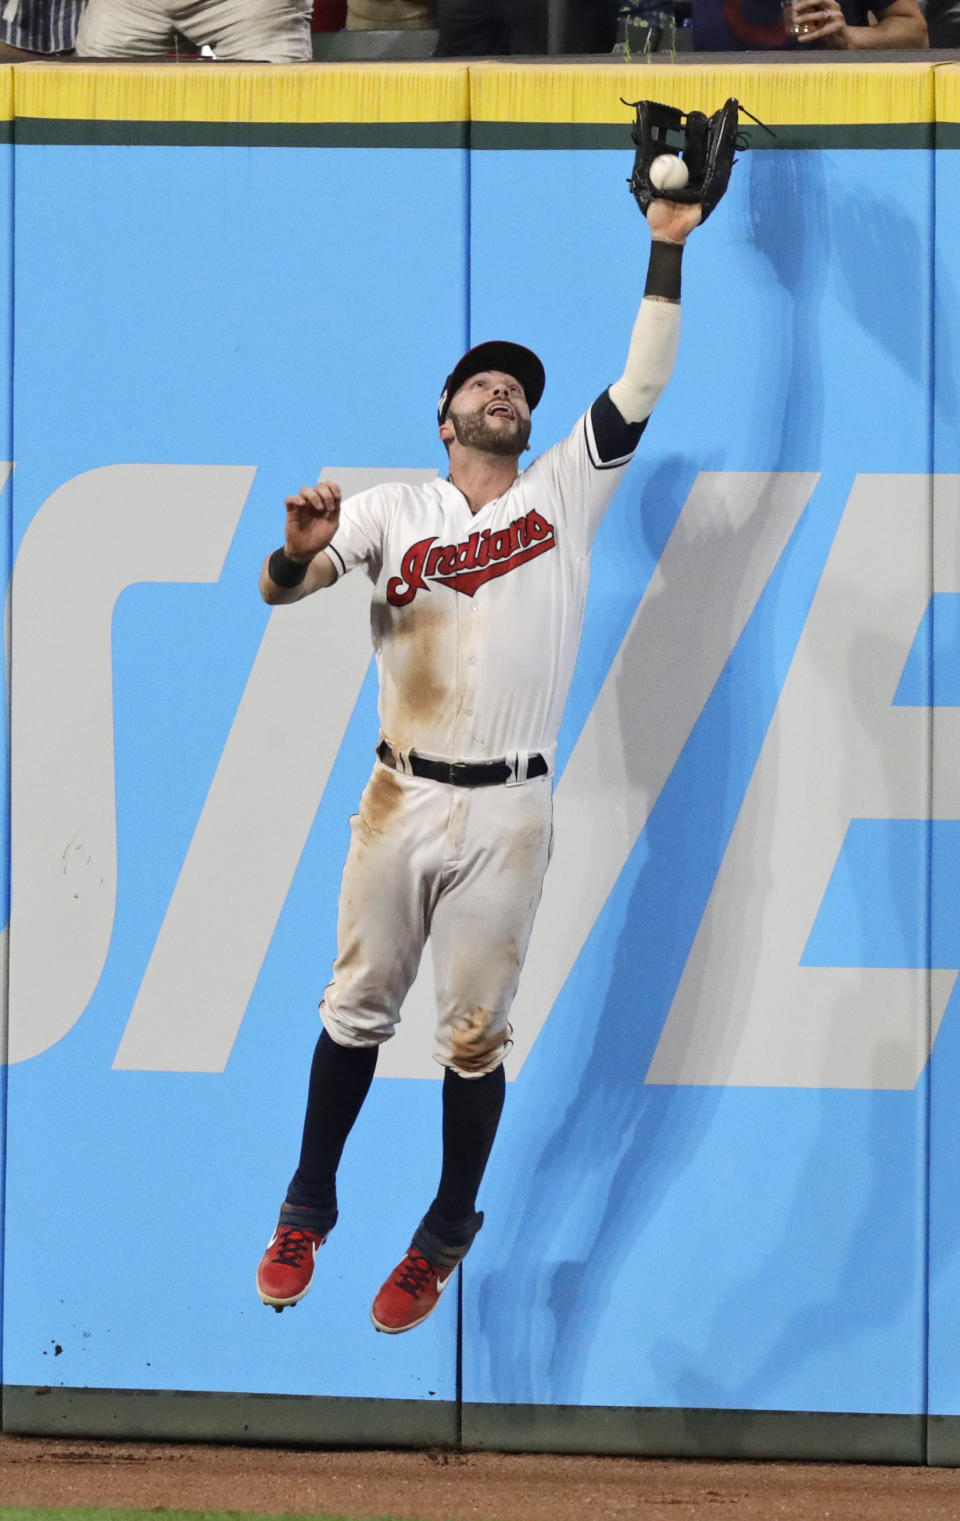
{"type": "Point", "coordinates": [474, 430]}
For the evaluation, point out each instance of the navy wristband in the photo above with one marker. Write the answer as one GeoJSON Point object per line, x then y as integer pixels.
{"type": "Point", "coordinates": [284, 572]}
{"type": "Point", "coordinates": [663, 271]}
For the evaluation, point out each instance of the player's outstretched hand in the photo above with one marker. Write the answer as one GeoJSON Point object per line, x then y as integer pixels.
{"type": "Point", "coordinates": [313, 516]}
{"type": "Point", "coordinates": [672, 221]}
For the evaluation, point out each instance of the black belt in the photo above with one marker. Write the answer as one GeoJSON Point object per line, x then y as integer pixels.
{"type": "Point", "coordinates": [461, 773]}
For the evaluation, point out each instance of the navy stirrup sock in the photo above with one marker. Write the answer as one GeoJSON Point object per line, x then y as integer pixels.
{"type": "Point", "coordinates": [340, 1078]}
{"type": "Point", "coordinates": [471, 1113]}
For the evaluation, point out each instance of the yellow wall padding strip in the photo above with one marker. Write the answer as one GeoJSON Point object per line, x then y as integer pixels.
{"type": "Point", "coordinates": [807, 94]}
{"type": "Point", "coordinates": [335, 92]}
{"type": "Point", "coordinates": [948, 92]}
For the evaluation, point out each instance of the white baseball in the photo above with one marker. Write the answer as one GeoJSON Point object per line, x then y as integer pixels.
{"type": "Point", "coordinates": [668, 172]}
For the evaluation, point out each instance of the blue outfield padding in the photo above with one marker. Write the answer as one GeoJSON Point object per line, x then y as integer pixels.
{"type": "Point", "coordinates": [944, 1318]}
{"type": "Point", "coordinates": [740, 1247]}
{"type": "Point", "coordinates": [264, 315]}
{"type": "Point", "coordinates": [6, 502]}
{"type": "Point", "coordinates": [710, 1186]}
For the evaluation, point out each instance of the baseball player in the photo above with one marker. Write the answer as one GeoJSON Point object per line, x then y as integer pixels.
{"type": "Point", "coordinates": [479, 585]}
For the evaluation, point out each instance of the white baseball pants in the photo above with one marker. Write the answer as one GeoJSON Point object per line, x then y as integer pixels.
{"type": "Point", "coordinates": [462, 865]}
{"type": "Point", "coordinates": [265, 31]}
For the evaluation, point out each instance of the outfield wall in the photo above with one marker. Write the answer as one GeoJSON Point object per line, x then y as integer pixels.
{"type": "Point", "coordinates": [721, 1213]}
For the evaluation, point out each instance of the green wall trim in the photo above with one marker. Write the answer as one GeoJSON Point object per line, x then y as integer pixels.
{"type": "Point", "coordinates": [561, 136]}
{"type": "Point", "coordinates": [568, 135]}
{"type": "Point", "coordinates": [224, 134]}
{"type": "Point", "coordinates": [324, 1421]}
{"type": "Point", "coordinates": [175, 1416]}
{"type": "Point", "coordinates": [798, 1436]}
{"type": "Point", "coordinates": [943, 1441]}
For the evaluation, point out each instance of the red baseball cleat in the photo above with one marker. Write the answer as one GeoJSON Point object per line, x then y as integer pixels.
{"type": "Point", "coordinates": [286, 1266]}
{"type": "Point", "coordinates": [410, 1294]}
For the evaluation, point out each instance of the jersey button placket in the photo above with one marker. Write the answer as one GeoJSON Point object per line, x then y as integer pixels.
{"type": "Point", "coordinates": [466, 669]}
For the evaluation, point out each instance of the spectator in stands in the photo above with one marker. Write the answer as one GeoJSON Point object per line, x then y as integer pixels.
{"type": "Point", "coordinates": [485, 28]}
{"type": "Point", "coordinates": [389, 15]}
{"type": "Point", "coordinates": [489, 28]}
{"type": "Point", "coordinates": [39, 26]}
{"type": "Point", "coordinates": [266, 31]}
{"type": "Point", "coordinates": [733, 25]}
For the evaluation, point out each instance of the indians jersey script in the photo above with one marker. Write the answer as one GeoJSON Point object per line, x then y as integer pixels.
{"type": "Point", "coordinates": [476, 617]}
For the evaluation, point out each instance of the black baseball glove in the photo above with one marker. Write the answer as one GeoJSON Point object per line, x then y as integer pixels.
{"type": "Point", "coordinates": [705, 143]}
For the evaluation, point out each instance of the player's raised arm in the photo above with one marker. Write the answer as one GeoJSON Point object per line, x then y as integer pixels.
{"type": "Point", "coordinates": [675, 194]}
{"type": "Point", "coordinates": [656, 332]}
{"type": "Point", "coordinates": [301, 566]}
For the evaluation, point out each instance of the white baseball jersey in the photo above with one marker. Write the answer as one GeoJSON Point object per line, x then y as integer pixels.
{"type": "Point", "coordinates": [476, 617]}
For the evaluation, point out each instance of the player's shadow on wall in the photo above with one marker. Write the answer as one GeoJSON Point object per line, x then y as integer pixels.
{"type": "Point", "coordinates": [876, 246]}
{"type": "Point", "coordinates": [586, 1172]}
{"type": "Point", "coordinates": [620, 1145]}
{"type": "Point", "coordinates": [860, 1181]}
{"type": "Point", "coordinates": [824, 1330]}
{"type": "Point", "coordinates": [788, 227]}
{"type": "Point", "coordinates": [808, 227]}
{"type": "Point", "coordinates": [877, 261]}
{"type": "Point", "coordinates": [946, 326]}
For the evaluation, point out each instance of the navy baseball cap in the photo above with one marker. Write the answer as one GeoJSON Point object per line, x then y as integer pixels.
{"type": "Point", "coordinates": [512, 358]}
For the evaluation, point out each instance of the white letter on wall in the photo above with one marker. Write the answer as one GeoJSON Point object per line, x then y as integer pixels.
{"type": "Point", "coordinates": [96, 535]}
{"type": "Point", "coordinates": [746, 1012]}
